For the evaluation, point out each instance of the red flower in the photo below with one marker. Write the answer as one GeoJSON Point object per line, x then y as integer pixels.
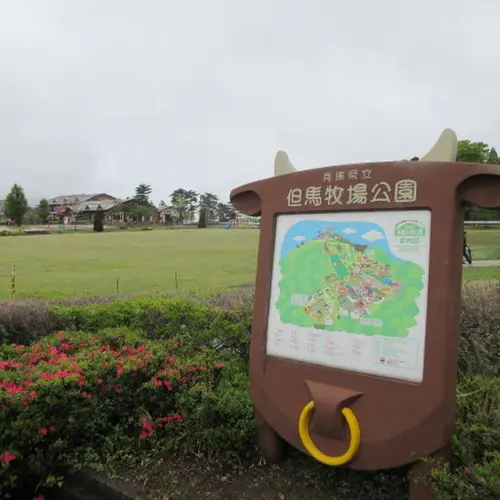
{"type": "Point", "coordinates": [10, 364]}
{"type": "Point", "coordinates": [159, 383]}
{"type": "Point", "coordinates": [7, 457]}
{"type": "Point", "coordinates": [44, 431]}
{"type": "Point", "coordinates": [466, 470]}
{"type": "Point", "coordinates": [219, 365]}
{"type": "Point", "coordinates": [39, 497]}
{"type": "Point", "coordinates": [176, 342]}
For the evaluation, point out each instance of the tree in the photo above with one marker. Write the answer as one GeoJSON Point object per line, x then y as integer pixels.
{"type": "Point", "coordinates": [142, 193]}
{"type": "Point", "coordinates": [493, 157]}
{"type": "Point", "coordinates": [210, 201]}
{"type": "Point", "coordinates": [473, 152]}
{"type": "Point", "coordinates": [16, 204]}
{"type": "Point", "coordinates": [98, 221]}
{"type": "Point", "coordinates": [185, 203]}
{"type": "Point", "coordinates": [192, 197]}
{"type": "Point", "coordinates": [31, 217]}
{"type": "Point", "coordinates": [43, 211]}
{"type": "Point", "coordinates": [204, 216]}
{"type": "Point", "coordinates": [225, 212]}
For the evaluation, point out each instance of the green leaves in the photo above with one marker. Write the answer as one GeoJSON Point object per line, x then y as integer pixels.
{"type": "Point", "coordinates": [16, 204]}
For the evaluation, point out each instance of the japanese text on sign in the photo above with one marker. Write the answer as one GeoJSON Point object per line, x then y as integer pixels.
{"type": "Point", "coordinates": [352, 175]}
{"type": "Point", "coordinates": [359, 193]}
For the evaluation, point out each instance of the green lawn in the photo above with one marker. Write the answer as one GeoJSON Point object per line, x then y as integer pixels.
{"type": "Point", "coordinates": [65, 265]}
{"type": "Point", "coordinates": [485, 243]}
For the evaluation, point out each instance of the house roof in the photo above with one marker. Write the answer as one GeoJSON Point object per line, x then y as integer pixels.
{"type": "Point", "coordinates": [92, 206]}
{"type": "Point", "coordinates": [165, 208]}
{"type": "Point", "coordinates": [71, 199]}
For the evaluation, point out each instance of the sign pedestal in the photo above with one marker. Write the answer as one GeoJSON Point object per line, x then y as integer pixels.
{"type": "Point", "coordinates": [357, 308]}
{"type": "Point", "coordinates": [272, 446]}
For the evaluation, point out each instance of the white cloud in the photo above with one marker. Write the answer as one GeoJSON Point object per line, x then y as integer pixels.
{"type": "Point", "coordinates": [299, 238]}
{"type": "Point", "coordinates": [349, 231]}
{"type": "Point", "coordinates": [204, 93]}
{"type": "Point", "coordinates": [373, 235]}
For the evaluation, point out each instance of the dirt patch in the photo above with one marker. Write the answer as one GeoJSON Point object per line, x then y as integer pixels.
{"type": "Point", "coordinates": [299, 478]}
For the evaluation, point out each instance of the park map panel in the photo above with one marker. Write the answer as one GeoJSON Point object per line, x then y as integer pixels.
{"type": "Point", "coordinates": [349, 291]}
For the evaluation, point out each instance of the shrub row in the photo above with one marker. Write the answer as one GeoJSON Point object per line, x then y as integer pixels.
{"type": "Point", "coordinates": [224, 316]}
{"type": "Point", "coordinates": [105, 385]}
{"type": "Point", "coordinates": [227, 317]}
{"type": "Point", "coordinates": [71, 398]}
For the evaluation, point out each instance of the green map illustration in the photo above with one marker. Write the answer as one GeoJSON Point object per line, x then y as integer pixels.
{"type": "Point", "coordinates": [344, 277]}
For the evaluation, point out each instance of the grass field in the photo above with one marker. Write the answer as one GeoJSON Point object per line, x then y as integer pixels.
{"type": "Point", "coordinates": [63, 265]}
{"type": "Point", "coordinates": [66, 265]}
{"type": "Point", "coordinates": [485, 244]}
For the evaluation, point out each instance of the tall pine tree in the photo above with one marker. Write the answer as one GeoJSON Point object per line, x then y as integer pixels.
{"type": "Point", "coordinates": [16, 204]}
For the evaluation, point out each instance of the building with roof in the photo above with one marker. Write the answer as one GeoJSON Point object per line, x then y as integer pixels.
{"type": "Point", "coordinates": [3, 218]}
{"type": "Point", "coordinates": [81, 206]}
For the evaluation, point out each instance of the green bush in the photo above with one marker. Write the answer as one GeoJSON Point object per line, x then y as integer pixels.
{"type": "Point", "coordinates": [474, 473]}
{"type": "Point", "coordinates": [203, 218]}
{"type": "Point", "coordinates": [222, 321]}
{"type": "Point", "coordinates": [217, 415]}
{"type": "Point", "coordinates": [99, 221]}
{"type": "Point", "coordinates": [67, 399]}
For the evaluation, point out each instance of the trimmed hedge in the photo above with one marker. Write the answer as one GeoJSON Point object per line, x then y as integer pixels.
{"type": "Point", "coordinates": [69, 400]}
{"type": "Point", "coordinates": [42, 375]}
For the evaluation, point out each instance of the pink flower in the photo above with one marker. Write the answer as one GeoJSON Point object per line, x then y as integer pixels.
{"type": "Point", "coordinates": [219, 365]}
{"type": "Point", "coordinates": [7, 457]}
{"type": "Point", "coordinates": [44, 431]}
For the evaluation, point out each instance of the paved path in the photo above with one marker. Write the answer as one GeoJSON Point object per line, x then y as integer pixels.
{"type": "Point", "coordinates": [484, 263]}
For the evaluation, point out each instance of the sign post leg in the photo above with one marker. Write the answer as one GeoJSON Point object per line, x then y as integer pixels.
{"type": "Point", "coordinates": [419, 482]}
{"type": "Point", "coordinates": [272, 446]}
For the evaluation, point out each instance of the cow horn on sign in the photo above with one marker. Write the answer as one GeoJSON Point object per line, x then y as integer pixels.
{"type": "Point", "coordinates": [445, 148]}
{"type": "Point", "coordinates": [282, 164]}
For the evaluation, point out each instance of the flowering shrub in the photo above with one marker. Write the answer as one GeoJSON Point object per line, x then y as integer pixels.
{"type": "Point", "coordinates": [225, 317]}
{"type": "Point", "coordinates": [62, 398]}
{"type": "Point", "coordinates": [174, 379]}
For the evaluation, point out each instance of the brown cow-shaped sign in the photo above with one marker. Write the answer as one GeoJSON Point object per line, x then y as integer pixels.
{"type": "Point", "coordinates": [357, 302]}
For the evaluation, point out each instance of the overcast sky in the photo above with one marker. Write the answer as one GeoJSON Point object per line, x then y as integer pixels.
{"type": "Point", "coordinates": [101, 95]}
